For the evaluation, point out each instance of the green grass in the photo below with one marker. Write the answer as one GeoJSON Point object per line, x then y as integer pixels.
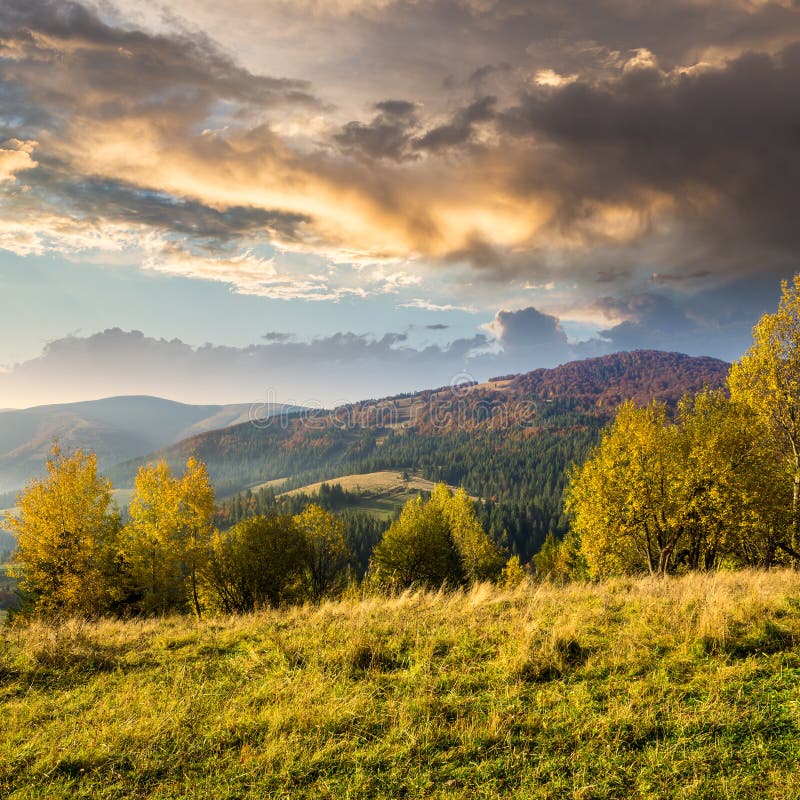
{"type": "Point", "coordinates": [377, 482]}
{"type": "Point", "coordinates": [383, 505]}
{"type": "Point", "coordinates": [684, 688]}
{"type": "Point", "coordinates": [381, 494]}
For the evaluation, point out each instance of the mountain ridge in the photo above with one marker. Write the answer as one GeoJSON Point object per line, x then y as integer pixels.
{"type": "Point", "coordinates": [576, 395]}
{"type": "Point", "coordinates": [117, 428]}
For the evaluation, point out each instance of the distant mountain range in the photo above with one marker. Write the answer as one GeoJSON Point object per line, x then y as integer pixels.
{"type": "Point", "coordinates": [425, 430]}
{"type": "Point", "coordinates": [509, 440]}
{"type": "Point", "coordinates": [116, 428]}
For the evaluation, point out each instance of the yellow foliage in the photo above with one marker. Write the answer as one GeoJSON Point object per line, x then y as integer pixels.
{"type": "Point", "coordinates": [663, 495]}
{"type": "Point", "coordinates": [436, 542]}
{"type": "Point", "coordinates": [67, 536]}
{"type": "Point", "coordinates": [169, 533]}
{"type": "Point", "coordinates": [767, 380]}
{"type": "Point", "coordinates": [512, 575]}
{"type": "Point", "coordinates": [327, 553]}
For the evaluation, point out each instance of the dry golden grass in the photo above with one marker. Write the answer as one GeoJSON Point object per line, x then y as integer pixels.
{"type": "Point", "coordinates": [687, 687]}
{"type": "Point", "coordinates": [377, 482]}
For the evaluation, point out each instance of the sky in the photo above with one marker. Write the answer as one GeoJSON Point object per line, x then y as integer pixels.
{"type": "Point", "coordinates": [317, 201]}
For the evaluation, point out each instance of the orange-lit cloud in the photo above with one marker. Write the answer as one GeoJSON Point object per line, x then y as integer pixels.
{"type": "Point", "coordinates": [575, 158]}
{"type": "Point", "coordinates": [15, 157]}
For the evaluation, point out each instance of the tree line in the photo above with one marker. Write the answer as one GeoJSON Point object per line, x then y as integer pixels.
{"type": "Point", "coordinates": [362, 530]}
{"type": "Point", "coordinates": [715, 485]}
{"type": "Point", "coordinates": [76, 556]}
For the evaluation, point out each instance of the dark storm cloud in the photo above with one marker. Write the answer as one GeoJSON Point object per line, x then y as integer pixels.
{"type": "Point", "coordinates": [661, 175]}
{"type": "Point", "coordinates": [98, 199]}
{"type": "Point", "coordinates": [480, 75]}
{"type": "Point", "coordinates": [720, 144]}
{"type": "Point", "coordinates": [102, 58]}
{"type": "Point", "coordinates": [585, 31]}
{"type": "Point", "coordinates": [651, 318]}
{"type": "Point", "coordinates": [387, 135]}
{"type": "Point", "coordinates": [394, 132]}
{"type": "Point", "coordinates": [459, 131]}
{"type": "Point", "coordinates": [717, 321]}
{"type": "Point", "coordinates": [529, 328]}
{"type": "Point", "coordinates": [528, 337]}
{"type": "Point", "coordinates": [395, 108]}
{"type": "Point", "coordinates": [712, 150]}
{"type": "Point", "coordinates": [63, 71]}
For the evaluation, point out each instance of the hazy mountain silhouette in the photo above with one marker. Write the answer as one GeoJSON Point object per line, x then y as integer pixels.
{"type": "Point", "coordinates": [116, 428]}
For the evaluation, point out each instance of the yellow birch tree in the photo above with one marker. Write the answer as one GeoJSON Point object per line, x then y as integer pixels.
{"type": "Point", "coordinates": [767, 379]}
{"type": "Point", "coordinates": [67, 533]}
{"type": "Point", "coordinates": [169, 535]}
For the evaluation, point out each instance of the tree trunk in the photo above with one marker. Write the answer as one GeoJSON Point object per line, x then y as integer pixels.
{"type": "Point", "coordinates": [796, 512]}
{"type": "Point", "coordinates": [194, 592]}
{"type": "Point", "coordinates": [664, 556]}
{"type": "Point", "coordinates": [769, 556]}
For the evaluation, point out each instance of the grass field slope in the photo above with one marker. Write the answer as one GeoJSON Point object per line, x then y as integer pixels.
{"type": "Point", "coordinates": [378, 482]}
{"type": "Point", "coordinates": [646, 688]}
{"type": "Point", "coordinates": [381, 494]}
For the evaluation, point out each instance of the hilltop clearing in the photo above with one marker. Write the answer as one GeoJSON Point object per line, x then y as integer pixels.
{"type": "Point", "coordinates": [624, 689]}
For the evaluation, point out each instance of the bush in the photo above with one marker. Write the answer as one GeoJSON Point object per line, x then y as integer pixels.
{"type": "Point", "coordinates": [434, 543]}
{"type": "Point", "coordinates": [259, 562]}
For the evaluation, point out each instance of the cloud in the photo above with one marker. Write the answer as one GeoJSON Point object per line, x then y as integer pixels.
{"type": "Point", "coordinates": [715, 320]}
{"type": "Point", "coordinates": [529, 336]}
{"type": "Point", "coordinates": [427, 305]}
{"type": "Point", "coordinates": [387, 136]}
{"type": "Point", "coordinates": [346, 366]}
{"type": "Point", "coordinates": [326, 370]}
{"type": "Point", "coordinates": [115, 62]}
{"type": "Point", "coordinates": [695, 170]}
{"type": "Point", "coordinates": [612, 149]}
{"type": "Point", "coordinates": [15, 156]}
{"type": "Point", "coordinates": [278, 336]}
{"type": "Point", "coordinates": [549, 77]}
{"type": "Point", "coordinates": [460, 129]}
{"type": "Point", "coordinates": [527, 328]}
{"type": "Point", "coordinates": [246, 272]}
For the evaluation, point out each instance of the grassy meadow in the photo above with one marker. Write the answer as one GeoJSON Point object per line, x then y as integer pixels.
{"type": "Point", "coordinates": [379, 482]}
{"type": "Point", "coordinates": [381, 494]}
{"type": "Point", "coordinates": [675, 688]}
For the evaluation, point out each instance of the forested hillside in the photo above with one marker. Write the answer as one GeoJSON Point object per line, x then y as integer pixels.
{"type": "Point", "coordinates": [508, 441]}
